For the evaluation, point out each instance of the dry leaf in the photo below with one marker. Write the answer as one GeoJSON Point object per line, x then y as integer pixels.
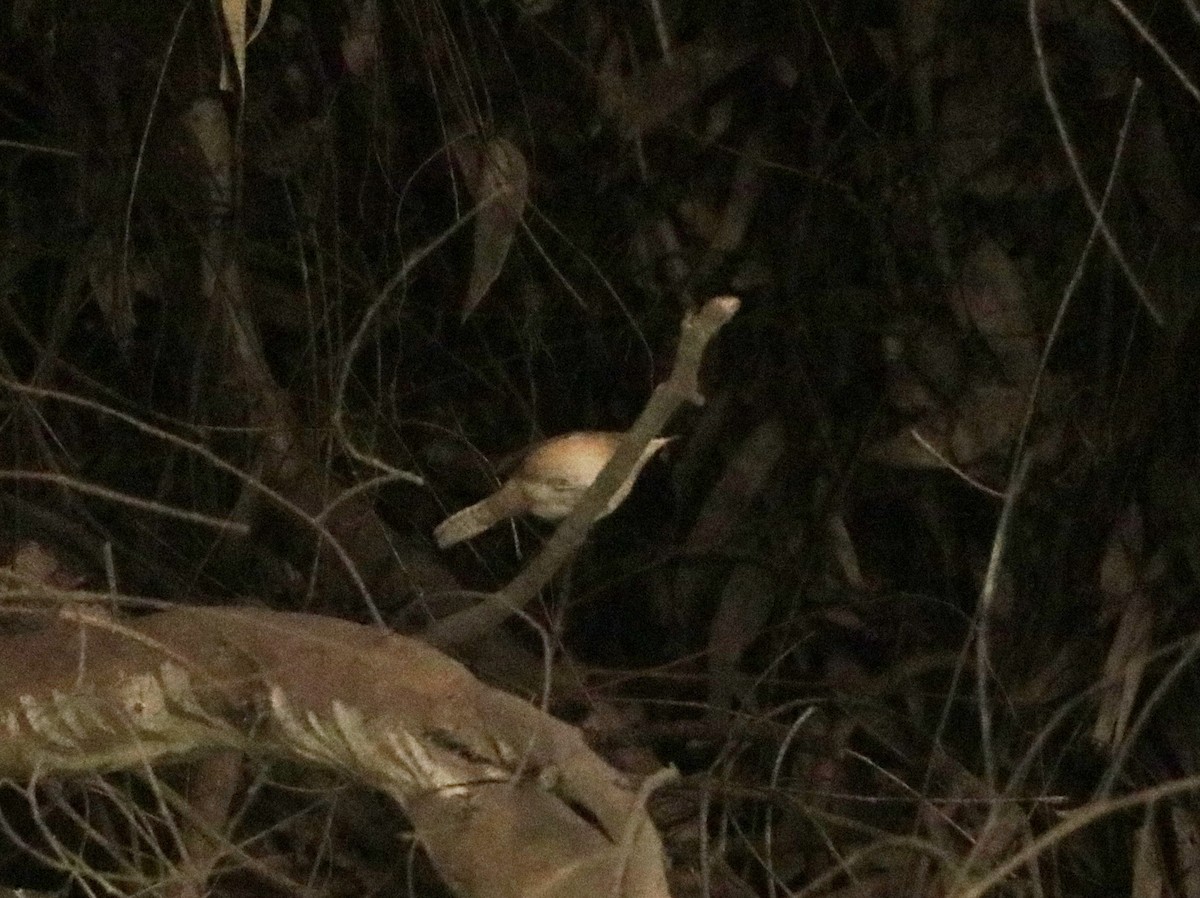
{"type": "Point", "coordinates": [987, 420]}
{"type": "Point", "coordinates": [647, 100]}
{"type": "Point", "coordinates": [744, 192]}
{"type": "Point", "coordinates": [1124, 668]}
{"type": "Point", "coordinates": [1155, 172]}
{"type": "Point", "coordinates": [746, 603]}
{"type": "Point", "coordinates": [984, 422]}
{"type": "Point", "coordinates": [360, 42]}
{"type": "Point", "coordinates": [110, 291]}
{"type": "Point", "coordinates": [841, 546]}
{"type": "Point", "coordinates": [925, 364]}
{"type": "Point", "coordinates": [1149, 873]}
{"type": "Point", "coordinates": [233, 14]}
{"type": "Point", "coordinates": [1187, 849]}
{"type": "Point", "coordinates": [1122, 555]}
{"type": "Point", "coordinates": [977, 116]}
{"type": "Point", "coordinates": [498, 178]}
{"type": "Point", "coordinates": [742, 481]}
{"type": "Point", "coordinates": [207, 124]}
{"type": "Point", "coordinates": [992, 296]}
{"type": "Point", "coordinates": [1123, 579]}
{"type": "Point", "coordinates": [32, 564]}
{"type": "Point", "coordinates": [610, 82]}
{"type": "Point", "coordinates": [536, 7]}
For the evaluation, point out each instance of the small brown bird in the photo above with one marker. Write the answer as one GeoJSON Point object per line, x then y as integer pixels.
{"type": "Point", "coordinates": [547, 484]}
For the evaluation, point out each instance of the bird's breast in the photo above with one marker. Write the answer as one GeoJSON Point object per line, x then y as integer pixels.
{"type": "Point", "coordinates": [552, 499]}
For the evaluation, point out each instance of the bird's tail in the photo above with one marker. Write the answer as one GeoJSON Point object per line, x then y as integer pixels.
{"type": "Point", "coordinates": [474, 519]}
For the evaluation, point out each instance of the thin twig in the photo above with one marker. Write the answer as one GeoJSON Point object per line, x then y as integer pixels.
{"type": "Point", "coordinates": [1090, 813]}
{"type": "Point", "coordinates": [1043, 68]}
{"type": "Point", "coordinates": [213, 459]}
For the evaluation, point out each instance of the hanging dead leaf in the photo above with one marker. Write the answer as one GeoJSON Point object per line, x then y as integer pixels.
{"type": "Point", "coordinates": [536, 7]}
{"type": "Point", "coordinates": [109, 278]}
{"type": "Point", "coordinates": [207, 124]}
{"type": "Point", "coordinates": [1124, 577]}
{"type": "Point", "coordinates": [744, 193]}
{"type": "Point", "coordinates": [498, 178]}
{"type": "Point", "coordinates": [1155, 172]}
{"type": "Point", "coordinates": [743, 480]}
{"type": "Point", "coordinates": [978, 114]}
{"type": "Point", "coordinates": [745, 608]}
{"type": "Point", "coordinates": [647, 100]}
{"type": "Point", "coordinates": [1124, 668]}
{"type": "Point", "coordinates": [984, 422]}
{"type": "Point", "coordinates": [611, 91]}
{"type": "Point", "coordinates": [360, 40]}
{"type": "Point", "coordinates": [1186, 834]}
{"type": "Point", "coordinates": [991, 295]}
{"type": "Point", "coordinates": [1122, 557]}
{"type": "Point", "coordinates": [234, 14]}
{"type": "Point", "coordinates": [1149, 869]}
{"type": "Point", "coordinates": [987, 420]}
{"type": "Point", "coordinates": [925, 364]}
{"type": "Point", "coordinates": [841, 546]}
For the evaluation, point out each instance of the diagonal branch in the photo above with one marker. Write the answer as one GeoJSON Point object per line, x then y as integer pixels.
{"type": "Point", "coordinates": [681, 386]}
